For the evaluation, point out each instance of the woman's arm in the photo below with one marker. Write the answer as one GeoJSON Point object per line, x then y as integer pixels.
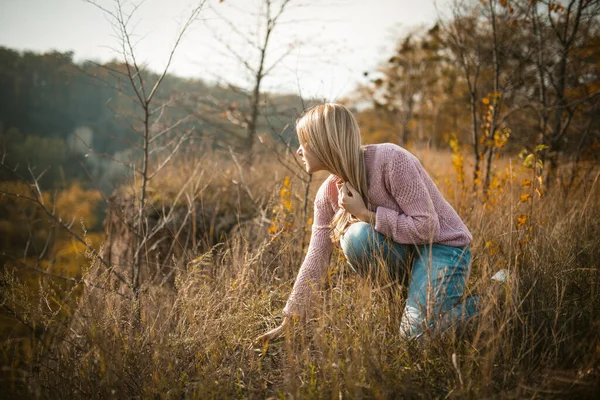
{"type": "Point", "coordinates": [418, 223]}
{"type": "Point", "coordinates": [274, 333]}
{"type": "Point", "coordinates": [316, 261]}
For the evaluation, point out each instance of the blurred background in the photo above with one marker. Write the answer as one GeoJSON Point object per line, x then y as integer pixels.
{"type": "Point", "coordinates": [135, 137]}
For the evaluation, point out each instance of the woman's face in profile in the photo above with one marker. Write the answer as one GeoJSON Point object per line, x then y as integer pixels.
{"type": "Point", "coordinates": [310, 160]}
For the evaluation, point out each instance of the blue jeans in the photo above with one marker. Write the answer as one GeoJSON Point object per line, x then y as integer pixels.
{"type": "Point", "coordinates": [437, 280]}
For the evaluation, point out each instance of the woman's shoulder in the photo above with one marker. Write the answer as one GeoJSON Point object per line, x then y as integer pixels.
{"type": "Point", "coordinates": [384, 154]}
{"type": "Point", "coordinates": [328, 188]}
{"type": "Point", "coordinates": [327, 196]}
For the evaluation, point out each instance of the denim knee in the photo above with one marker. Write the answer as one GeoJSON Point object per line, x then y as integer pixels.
{"type": "Point", "coordinates": [435, 292]}
{"type": "Point", "coordinates": [355, 243]}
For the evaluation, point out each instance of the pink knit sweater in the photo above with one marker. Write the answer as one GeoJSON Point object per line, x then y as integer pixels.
{"type": "Point", "coordinates": [409, 208]}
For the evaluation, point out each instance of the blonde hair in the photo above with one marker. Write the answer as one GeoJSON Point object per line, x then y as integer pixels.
{"type": "Point", "coordinates": [332, 133]}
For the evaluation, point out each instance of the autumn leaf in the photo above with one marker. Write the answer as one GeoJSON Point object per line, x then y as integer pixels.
{"type": "Point", "coordinates": [287, 204]}
{"type": "Point", "coordinates": [287, 182]}
{"type": "Point", "coordinates": [529, 161]}
{"type": "Point", "coordinates": [525, 197]}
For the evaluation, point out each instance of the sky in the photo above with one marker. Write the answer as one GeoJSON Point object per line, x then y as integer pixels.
{"type": "Point", "coordinates": [326, 45]}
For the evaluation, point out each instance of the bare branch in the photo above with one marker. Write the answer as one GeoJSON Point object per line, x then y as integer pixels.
{"type": "Point", "coordinates": [241, 174]}
{"type": "Point", "coordinates": [126, 41]}
{"type": "Point", "coordinates": [59, 221]}
{"type": "Point", "coordinates": [169, 129]}
{"type": "Point", "coordinates": [166, 160]}
{"type": "Point", "coordinates": [235, 29]}
{"type": "Point", "coordinates": [276, 62]}
{"type": "Point", "coordinates": [187, 24]}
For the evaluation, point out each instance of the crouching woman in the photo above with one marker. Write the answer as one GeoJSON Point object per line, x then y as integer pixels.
{"type": "Point", "coordinates": [379, 201]}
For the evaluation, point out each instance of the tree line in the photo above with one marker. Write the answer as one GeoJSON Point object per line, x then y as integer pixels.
{"type": "Point", "coordinates": [498, 75]}
{"type": "Point", "coordinates": [76, 117]}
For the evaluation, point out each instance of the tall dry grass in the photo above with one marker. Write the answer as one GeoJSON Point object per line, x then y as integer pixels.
{"type": "Point", "coordinates": [538, 335]}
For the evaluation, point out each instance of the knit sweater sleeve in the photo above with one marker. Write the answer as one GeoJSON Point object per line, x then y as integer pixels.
{"type": "Point", "coordinates": [314, 268]}
{"type": "Point", "coordinates": [417, 222]}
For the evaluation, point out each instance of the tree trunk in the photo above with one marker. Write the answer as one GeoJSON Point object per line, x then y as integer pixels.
{"type": "Point", "coordinates": [496, 97]}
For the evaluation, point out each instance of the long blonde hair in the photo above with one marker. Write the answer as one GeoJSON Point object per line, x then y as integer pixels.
{"type": "Point", "coordinates": [332, 133]}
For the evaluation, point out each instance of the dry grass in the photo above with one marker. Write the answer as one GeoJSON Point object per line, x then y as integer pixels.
{"type": "Point", "coordinates": [539, 336]}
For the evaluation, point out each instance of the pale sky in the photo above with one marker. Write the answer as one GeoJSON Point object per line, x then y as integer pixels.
{"type": "Point", "coordinates": [338, 39]}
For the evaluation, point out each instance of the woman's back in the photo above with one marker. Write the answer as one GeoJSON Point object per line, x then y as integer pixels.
{"type": "Point", "coordinates": [399, 186]}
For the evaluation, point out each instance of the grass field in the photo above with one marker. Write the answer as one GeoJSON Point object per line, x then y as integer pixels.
{"type": "Point", "coordinates": [538, 335]}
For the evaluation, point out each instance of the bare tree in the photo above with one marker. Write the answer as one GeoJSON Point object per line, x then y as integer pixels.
{"type": "Point", "coordinates": [482, 38]}
{"type": "Point", "coordinates": [404, 85]}
{"type": "Point", "coordinates": [153, 136]}
{"type": "Point", "coordinates": [263, 59]}
{"type": "Point", "coordinates": [558, 36]}
{"type": "Point", "coordinates": [461, 32]}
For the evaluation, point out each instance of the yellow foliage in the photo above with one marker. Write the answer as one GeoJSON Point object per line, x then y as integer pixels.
{"type": "Point", "coordinates": [501, 137]}
{"type": "Point", "coordinates": [283, 216]}
{"type": "Point", "coordinates": [522, 220]}
{"type": "Point", "coordinates": [26, 224]}
{"type": "Point", "coordinates": [525, 197]}
{"type": "Point", "coordinates": [496, 183]}
{"type": "Point", "coordinates": [78, 203]}
{"type": "Point", "coordinates": [529, 161]}
{"type": "Point", "coordinates": [457, 162]}
{"type": "Point", "coordinates": [69, 254]}
{"type": "Point", "coordinates": [492, 247]}
{"type": "Point", "coordinates": [376, 127]}
{"type": "Point", "coordinates": [454, 144]}
{"type": "Point", "coordinates": [457, 159]}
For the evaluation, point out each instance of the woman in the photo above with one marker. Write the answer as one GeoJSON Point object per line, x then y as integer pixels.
{"type": "Point", "coordinates": [379, 200]}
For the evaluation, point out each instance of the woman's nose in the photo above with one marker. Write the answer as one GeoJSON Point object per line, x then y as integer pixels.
{"type": "Point", "coordinates": [299, 151]}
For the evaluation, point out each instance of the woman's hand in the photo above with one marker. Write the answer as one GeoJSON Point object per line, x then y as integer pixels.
{"type": "Point", "coordinates": [351, 201]}
{"type": "Point", "coordinates": [273, 333]}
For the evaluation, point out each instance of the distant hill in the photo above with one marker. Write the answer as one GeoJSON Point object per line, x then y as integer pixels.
{"type": "Point", "coordinates": [77, 118]}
